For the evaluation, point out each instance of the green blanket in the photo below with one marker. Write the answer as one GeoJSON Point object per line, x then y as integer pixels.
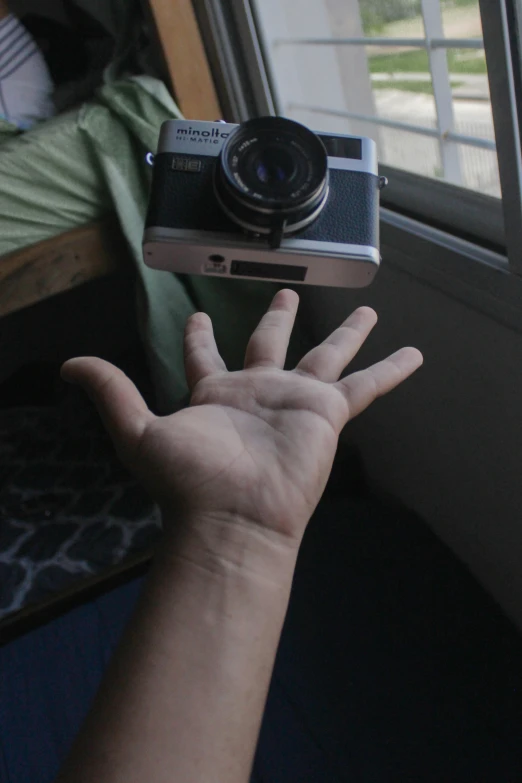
{"type": "Point", "coordinates": [91, 162]}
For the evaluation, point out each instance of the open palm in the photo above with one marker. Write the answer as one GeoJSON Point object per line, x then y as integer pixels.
{"type": "Point", "coordinates": [255, 445]}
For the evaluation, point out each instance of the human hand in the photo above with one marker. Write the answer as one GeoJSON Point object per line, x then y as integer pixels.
{"type": "Point", "coordinates": [255, 446]}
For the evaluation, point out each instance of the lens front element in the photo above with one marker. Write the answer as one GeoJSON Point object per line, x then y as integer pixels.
{"type": "Point", "coordinates": [274, 166]}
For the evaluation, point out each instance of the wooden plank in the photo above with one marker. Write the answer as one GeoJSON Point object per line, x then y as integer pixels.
{"type": "Point", "coordinates": [59, 264]}
{"type": "Point", "coordinates": [187, 63]}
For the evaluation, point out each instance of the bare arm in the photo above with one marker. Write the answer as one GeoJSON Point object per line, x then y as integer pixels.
{"type": "Point", "coordinates": [4, 9]}
{"type": "Point", "coordinates": [238, 475]}
{"type": "Point", "coordinates": [184, 698]}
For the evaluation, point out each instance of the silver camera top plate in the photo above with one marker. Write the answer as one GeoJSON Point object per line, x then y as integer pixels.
{"type": "Point", "coordinates": [207, 138]}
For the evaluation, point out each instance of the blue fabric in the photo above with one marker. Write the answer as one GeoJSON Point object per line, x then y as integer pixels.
{"type": "Point", "coordinates": [47, 681]}
{"type": "Point", "coordinates": [394, 665]}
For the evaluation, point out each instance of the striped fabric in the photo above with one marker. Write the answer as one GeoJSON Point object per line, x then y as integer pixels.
{"type": "Point", "coordinates": [25, 83]}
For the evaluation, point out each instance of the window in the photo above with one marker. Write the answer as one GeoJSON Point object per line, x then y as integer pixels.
{"type": "Point", "coordinates": [411, 74]}
{"type": "Point", "coordinates": [434, 82]}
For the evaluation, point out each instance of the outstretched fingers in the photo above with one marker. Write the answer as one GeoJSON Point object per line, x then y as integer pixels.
{"type": "Point", "coordinates": [327, 361]}
{"type": "Point", "coordinates": [362, 388]}
{"type": "Point", "coordinates": [269, 343]}
{"type": "Point", "coordinates": [202, 357]}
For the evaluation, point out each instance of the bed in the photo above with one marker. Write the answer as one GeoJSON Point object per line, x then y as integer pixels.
{"type": "Point", "coordinates": [38, 261]}
{"type": "Point", "coordinates": [64, 260]}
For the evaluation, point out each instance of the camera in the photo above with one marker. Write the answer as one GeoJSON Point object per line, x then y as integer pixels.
{"type": "Point", "coordinates": [266, 200]}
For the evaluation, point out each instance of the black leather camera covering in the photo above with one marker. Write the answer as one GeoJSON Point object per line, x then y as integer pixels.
{"type": "Point", "coordinates": [186, 200]}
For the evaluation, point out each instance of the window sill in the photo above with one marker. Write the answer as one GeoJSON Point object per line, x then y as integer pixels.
{"type": "Point", "coordinates": [477, 277]}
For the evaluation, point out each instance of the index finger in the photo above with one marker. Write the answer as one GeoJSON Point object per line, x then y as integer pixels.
{"type": "Point", "coordinates": [202, 357]}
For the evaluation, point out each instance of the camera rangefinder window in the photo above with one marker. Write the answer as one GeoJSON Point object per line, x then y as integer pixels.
{"type": "Point", "coordinates": [267, 200]}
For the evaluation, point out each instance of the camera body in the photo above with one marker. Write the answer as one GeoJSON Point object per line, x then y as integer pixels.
{"type": "Point", "coordinates": [279, 204]}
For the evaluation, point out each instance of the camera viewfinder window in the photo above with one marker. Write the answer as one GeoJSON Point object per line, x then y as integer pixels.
{"type": "Point", "coordinates": [342, 148]}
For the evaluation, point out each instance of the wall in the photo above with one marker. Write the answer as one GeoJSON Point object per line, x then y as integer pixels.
{"type": "Point", "coordinates": [345, 22]}
{"type": "Point", "coordinates": [326, 76]}
{"type": "Point", "coordinates": [449, 442]}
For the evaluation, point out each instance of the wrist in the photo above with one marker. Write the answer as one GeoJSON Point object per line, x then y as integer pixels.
{"type": "Point", "coordinates": [226, 545]}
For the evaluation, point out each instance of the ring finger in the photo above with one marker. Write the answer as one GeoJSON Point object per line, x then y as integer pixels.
{"type": "Point", "coordinates": [328, 360]}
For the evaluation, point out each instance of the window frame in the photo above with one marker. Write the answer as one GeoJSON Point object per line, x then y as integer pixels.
{"type": "Point", "coordinates": [182, 58]}
{"type": "Point", "coordinates": [502, 67]}
{"type": "Point", "coordinates": [445, 206]}
{"type": "Point", "coordinates": [235, 50]}
{"type": "Point", "coordinates": [470, 273]}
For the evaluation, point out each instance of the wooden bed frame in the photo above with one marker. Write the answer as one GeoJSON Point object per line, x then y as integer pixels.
{"type": "Point", "coordinates": [60, 264]}
{"type": "Point", "coordinates": [69, 260]}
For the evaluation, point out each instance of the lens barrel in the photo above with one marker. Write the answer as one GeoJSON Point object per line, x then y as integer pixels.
{"type": "Point", "coordinates": [272, 177]}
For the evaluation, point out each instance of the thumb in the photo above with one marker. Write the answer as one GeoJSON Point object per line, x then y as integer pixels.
{"type": "Point", "coordinates": [120, 405]}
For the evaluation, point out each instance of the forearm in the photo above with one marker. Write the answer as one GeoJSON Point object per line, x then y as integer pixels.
{"type": "Point", "coordinates": [184, 698]}
{"type": "Point", "coordinates": [4, 10]}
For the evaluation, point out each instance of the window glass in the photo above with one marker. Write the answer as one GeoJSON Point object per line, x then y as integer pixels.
{"type": "Point", "coordinates": [429, 110]}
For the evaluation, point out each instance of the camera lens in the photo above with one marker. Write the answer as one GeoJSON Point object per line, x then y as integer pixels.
{"type": "Point", "coordinates": [272, 176]}
{"type": "Point", "coordinates": [274, 166]}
